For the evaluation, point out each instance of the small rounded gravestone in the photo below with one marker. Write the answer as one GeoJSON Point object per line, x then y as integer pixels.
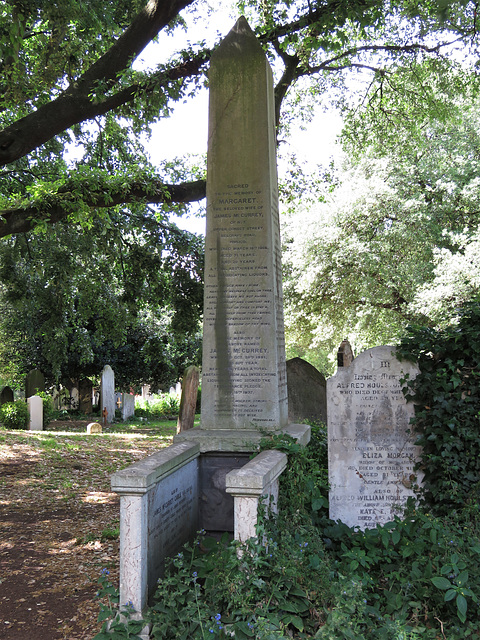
{"type": "Point", "coordinates": [94, 427]}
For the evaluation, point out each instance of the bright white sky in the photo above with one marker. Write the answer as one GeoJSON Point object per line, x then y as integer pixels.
{"type": "Point", "coordinates": [186, 131]}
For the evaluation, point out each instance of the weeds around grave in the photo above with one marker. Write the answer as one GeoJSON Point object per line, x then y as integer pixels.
{"type": "Point", "coordinates": [305, 576]}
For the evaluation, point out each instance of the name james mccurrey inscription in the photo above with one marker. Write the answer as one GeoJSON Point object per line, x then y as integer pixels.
{"type": "Point", "coordinates": [371, 452]}
{"type": "Point", "coordinates": [244, 373]}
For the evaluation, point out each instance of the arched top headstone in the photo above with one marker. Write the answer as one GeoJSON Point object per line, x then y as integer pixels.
{"type": "Point", "coordinates": [6, 395]}
{"type": "Point", "coordinates": [307, 395]}
{"type": "Point", "coordinates": [34, 383]}
{"type": "Point", "coordinates": [107, 399]}
{"type": "Point", "coordinates": [371, 452]}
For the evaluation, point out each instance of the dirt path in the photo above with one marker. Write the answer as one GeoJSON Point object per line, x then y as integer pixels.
{"type": "Point", "coordinates": [56, 516]}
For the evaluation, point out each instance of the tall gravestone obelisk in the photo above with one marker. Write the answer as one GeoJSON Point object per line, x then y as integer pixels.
{"type": "Point", "coordinates": [244, 387]}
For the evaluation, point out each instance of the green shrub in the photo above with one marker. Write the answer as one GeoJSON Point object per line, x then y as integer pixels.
{"type": "Point", "coordinates": [447, 411]}
{"type": "Point", "coordinates": [14, 415]}
{"type": "Point", "coordinates": [163, 406]}
{"type": "Point", "coordinates": [305, 576]}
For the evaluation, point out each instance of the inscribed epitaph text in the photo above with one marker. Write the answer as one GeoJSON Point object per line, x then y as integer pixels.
{"type": "Point", "coordinates": [244, 375]}
{"type": "Point", "coordinates": [371, 454]}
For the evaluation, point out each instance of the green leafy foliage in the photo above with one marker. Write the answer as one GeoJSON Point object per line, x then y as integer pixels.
{"type": "Point", "coordinates": [355, 264]}
{"type": "Point", "coordinates": [73, 300]}
{"type": "Point", "coordinates": [305, 576]}
{"type": "Point", "coordinates": [14, 415]}
{"type": "Point", "coordinates": [118, 622]}
{"type": "Point", "coordinates": [404, 571]}
{"type": "Point", "coordinates": [163, 405]}
{"type": "Point", "coordinates": [447, 410]}
{"type": "Point", "coordinates": [216, 589]}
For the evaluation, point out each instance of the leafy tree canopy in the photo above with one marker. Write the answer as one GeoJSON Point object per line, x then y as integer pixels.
{"type": "Point", "coordinates": [395, 242]}
{"type": "Point", "coordinates": [72, 106]}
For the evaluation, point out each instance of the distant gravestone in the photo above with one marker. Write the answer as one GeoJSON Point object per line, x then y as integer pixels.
{"type": "Point", "coordinates": [85, 396]}
{"type": "Point", "coordinates": [128, 406]}
{"type": "Point", "coordinates": [307, 393]}
{"type": "Point", "coordinates": [94, 427]}
{"type": "Point", "coordinates": [74, 398]}
{"type": "Point", "coordinates": [6, 395]}
{"type": "Point", "coordinates": [35, 409]}
{"type": "Point", "coordinates": [188, 400]}
{"type": "Point", "coordinates": [344, 354]}
{"type": "Point", "coordinates": [34, 383]}
{"type": "Point", "coordinates": [107, 394]}
{"type": "Point", "coordinates": [371, 454]}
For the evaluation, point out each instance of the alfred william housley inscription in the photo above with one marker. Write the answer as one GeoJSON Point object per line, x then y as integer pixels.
{"type": "Point", "coordinates": [371, 453]}
{"type": "Point", "coordinates": [243, 365]}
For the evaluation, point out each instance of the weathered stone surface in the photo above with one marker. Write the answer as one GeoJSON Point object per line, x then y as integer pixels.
{"type": "Point", "coordinates": [188, 400]}
{"type": "Point", "coordinates": [128, 406]}
{"type": "Point", "coordinates": [107, 393]}
{"type": "Point", "coordinates": [35, 408]}
{"type": "Point", "coordinates": [34, 383]}
{"type": "Point", "coordinates": [94, 427]}
{"type": "Point", "coordinates": [243, 370]}
{"type": "Point", "coordinates": [344, 354]}
{"type": "Point", "coordinates": [256, 480]}
{"type": "Point", "coordinates": [85, 396]}
{"type": "Point", "coordinates": [6, 395]}
{"type": "Point", "coordinates": [307, 392]}
{"type": "Point", "coordinates": [158, 514]}
{"type": "Point", "coordinates": [371, 454]}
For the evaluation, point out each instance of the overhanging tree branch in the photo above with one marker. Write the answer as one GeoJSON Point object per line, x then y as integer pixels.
{"type": "Point", "coordinates": [22, 219]}
{"type": "Point", "coordinates": [75, 104]}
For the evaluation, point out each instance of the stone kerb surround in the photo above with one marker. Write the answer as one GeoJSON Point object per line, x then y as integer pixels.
{"type": "Point", "coordinates": [371, 454]}
{"type": "Point", "coordinates": [255, 480]}
{"type": "Point", "coordinates": [158, 513]}
{"type": "Point", "coordinates": [259, 479]}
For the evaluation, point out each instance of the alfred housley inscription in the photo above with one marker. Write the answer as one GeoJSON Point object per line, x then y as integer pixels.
{"type": "Point", "coordinates": [372, 454]}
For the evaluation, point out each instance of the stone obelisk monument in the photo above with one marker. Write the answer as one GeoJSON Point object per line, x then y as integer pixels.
{"type": "Point", "coordinates": [206, 480]}
{"type": "Point", "coordinates": [244, 388]}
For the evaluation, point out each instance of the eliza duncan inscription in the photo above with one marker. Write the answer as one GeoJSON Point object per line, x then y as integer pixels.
{"type": "Point", "coordinates": [371, 452]}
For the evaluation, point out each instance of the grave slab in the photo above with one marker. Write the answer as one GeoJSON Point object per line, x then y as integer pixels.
{"type": "Point", "coordinates": [188, 400]}
{"type": "Point", "coordinates": [371, 454]}
{"type": "Point", "coordinates": [128, 406]}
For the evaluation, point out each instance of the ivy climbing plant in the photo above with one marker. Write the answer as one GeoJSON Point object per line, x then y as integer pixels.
{"type": "Point", "coordinates": [447, 412]}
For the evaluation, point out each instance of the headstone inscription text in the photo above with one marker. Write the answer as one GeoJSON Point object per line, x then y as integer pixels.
{"type": "Point", "coordinates": [371, 452]}
{"type": "Point", "coordinates": [173, 517]}
{"type": "Point", "coordinates": [244, 375]}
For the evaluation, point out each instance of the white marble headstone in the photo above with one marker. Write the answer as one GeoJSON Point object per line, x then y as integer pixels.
{"type": "Point", "coordinates": [371, 454]}
{"type": "Point", "coordinates": [35, 408]}
{"type": "Point", "coordinates": [107, 396]}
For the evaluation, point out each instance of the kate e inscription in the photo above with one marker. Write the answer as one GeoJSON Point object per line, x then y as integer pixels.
{"type": "Point", "coordinates": [371, 451]}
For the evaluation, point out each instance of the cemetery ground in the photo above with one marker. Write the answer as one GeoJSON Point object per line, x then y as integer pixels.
{"type": "Point", "coordinates": [59, 522]}
{"type": "Point", "coordinates": [306, 577]}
